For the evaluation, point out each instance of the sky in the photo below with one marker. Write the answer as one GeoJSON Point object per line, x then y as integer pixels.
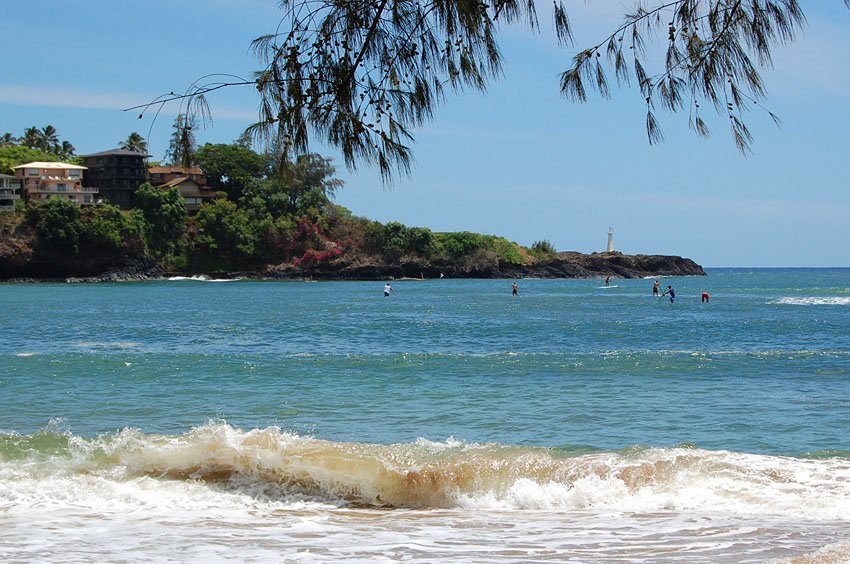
{"type": "Point", "coordinates": [519, 161]}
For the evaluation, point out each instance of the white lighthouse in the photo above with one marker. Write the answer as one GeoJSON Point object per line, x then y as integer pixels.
{"type": "Point", "coordinates": [610, 248]}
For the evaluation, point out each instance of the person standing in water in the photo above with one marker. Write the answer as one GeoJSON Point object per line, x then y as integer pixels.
{"type": "Point", "coordinates": [672, 293]}
{"type": "Point", "coordinates": [655, 288]}
{"type": "Point", "coordinates": [514, 289]}
{"type": "Point", "coordinates": [387, 290]}
{"type": "Point", "coordinates": [704, 298]}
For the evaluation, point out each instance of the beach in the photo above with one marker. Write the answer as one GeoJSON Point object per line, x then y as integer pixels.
{"type": "Point", "coordinates": [293, 421]}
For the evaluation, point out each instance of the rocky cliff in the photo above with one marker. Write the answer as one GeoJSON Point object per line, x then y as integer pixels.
{"type": "Point", "coordinates": [560, 265]}
{"type": "Point", "coordinates": [22, 260]}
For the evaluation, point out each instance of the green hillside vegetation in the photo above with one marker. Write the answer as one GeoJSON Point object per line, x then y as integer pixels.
{"type": "Point", "coordinates": [264, 215]}
{"type": "Point", "coordinates": [35, 145]}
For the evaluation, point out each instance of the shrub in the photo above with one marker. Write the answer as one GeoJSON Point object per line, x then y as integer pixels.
{"type": "Point", "coordinates": [374, 235]}
{"type": "Point", "coordinates": [460, 243]}
{"type": "Point", "coordinates": [506, 251]}
{"type": "Point", "coordinates": [543, 249]}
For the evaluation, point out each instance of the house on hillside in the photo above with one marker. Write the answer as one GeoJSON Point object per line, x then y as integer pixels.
{"type": "Point", "coordinates": [190, 182]}
{"type": "Point", "coordinates": [41, 180]}
{"type": "Point", "coordinates": [9, 192]}
{"type": "Point", "coordinates": [117, 174]}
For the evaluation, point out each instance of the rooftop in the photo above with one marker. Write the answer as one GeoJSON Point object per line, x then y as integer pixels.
{"type": "Point", "coordinates": [175, 170]}
{"type": "Point", "coordinates": [119, 153]}
{"type": "Point", "coordinates": [176, 182]}
{"type": "Point", "coordinates": [54, 166]}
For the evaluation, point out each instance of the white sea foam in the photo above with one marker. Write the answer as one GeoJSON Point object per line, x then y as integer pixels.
{"type": "Point", "coordinates": [201, 278]}
{"type": "Point", "coordinates": [446, 474]}
{"type": "Point", "coordinates": [109, 344]}
{"type": "Point", "coordinates": [220, 493]}
{"type": "Point", "coordinates": [813, 300]}
{"type": "Point", "coordinates": [194, 278]}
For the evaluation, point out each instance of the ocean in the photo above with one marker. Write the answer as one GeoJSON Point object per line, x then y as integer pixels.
{"type": "Point", "coordinates": [202, 420]}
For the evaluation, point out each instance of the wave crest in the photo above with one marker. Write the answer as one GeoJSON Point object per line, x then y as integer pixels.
{"type": "Point", "coordinates": [271, 464]}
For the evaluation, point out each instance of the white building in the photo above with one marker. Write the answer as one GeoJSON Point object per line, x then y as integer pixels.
{"type": "Point", "coordinates": [42, 180]}
{"type": "Point", "coordinates": [9, 192]}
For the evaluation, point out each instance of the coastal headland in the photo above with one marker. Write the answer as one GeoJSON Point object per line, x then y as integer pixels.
{"type": "Point", "coordinates": [19, 264]}
{"type": "Point", "coordinates": [559, 265]}
{"type": "Point", "coordinates": [274, 223]}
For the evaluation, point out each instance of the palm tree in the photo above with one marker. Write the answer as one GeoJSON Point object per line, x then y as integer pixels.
{"type": "Point", "coordinates": [66, 150]}
{"type": "Point", "coordinates": [31, 137]}
{"type": "Point", "coordinates": [49, 140]}
{"type": "Point", "coordinates": [135, 142]}
{"type": "Point", "coordinates": [8, 140]}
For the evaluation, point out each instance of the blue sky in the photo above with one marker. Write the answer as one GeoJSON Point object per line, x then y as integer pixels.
{"type": "Point", "coordinates": [519, 161]}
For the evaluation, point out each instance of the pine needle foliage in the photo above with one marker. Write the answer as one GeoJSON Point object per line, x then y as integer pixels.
{"type": "Point", "coordinates": [360, 75]}
{"type": "Point", "coordinates": [714, 51]}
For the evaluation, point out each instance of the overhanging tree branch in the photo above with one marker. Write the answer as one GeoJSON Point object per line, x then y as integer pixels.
{"type": "Point", "coordinates": [361, 75]}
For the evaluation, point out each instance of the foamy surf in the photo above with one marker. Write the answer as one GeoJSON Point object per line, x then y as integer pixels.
{"type": "Point", "coordinates": [813, 300]}
{"type": "Point", "coordinates": [449, 475]}
{"type": "Point", "coordinates": [218, 492]}
{"type": "Point", "coordinates": [201, 278]}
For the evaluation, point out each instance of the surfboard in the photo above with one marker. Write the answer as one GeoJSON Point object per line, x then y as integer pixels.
{"type": "Point", "coordinates": [611, 286]}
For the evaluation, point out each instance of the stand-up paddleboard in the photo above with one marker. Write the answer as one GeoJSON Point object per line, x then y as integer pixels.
{"type": "Point", "coordinates": [611, 286]}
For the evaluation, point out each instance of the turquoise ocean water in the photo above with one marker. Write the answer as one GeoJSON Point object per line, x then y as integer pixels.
{"type": "Point", "coordinates": [249, 420]}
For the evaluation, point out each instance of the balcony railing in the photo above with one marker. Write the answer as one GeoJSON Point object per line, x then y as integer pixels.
{"type": "Point", "coordinates": [54, 190]}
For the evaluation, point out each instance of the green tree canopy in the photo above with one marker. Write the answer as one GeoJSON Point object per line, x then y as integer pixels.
{"type": "Point", "coordinates": [15, 155]}
{"type": "Point", "coordinates": [225, 231]}
{"type": "Point", "coordinates": [108, 227]}
{"type": "Point", "coordinates": [165, 214]}
{"type": "Point", "coordinates": [229, 168]}
{"type": "Point", "coordinates": [57, 222]}
{"type": "Point", "coordinates": [295, 187]}
{"type": "Point", "coordinates": [307, 173]}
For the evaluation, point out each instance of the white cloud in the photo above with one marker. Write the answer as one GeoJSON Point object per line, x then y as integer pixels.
{"type": "Point", "coordinates": [64, 97]}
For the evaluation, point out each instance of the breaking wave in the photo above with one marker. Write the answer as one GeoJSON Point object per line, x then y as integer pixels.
{"type": "Point", "coordinates": [292, 469]}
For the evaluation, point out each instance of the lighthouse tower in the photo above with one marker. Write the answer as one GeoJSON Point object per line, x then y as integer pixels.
{"type": "Point", "coordinates": [610, 240]}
